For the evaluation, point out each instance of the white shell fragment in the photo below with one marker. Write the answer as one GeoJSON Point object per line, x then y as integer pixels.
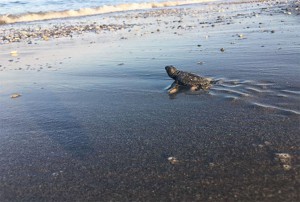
{"type": "Point", "coordinates": [287, 167]}
{"type": "Point", "coordinates": [173, 160]}
{"type": "Point", "coordinates": [14, 53]}
{"type": "Point", "coordinates": [15, 95]}
{"type": "Point", "coordinates": [285, 159]}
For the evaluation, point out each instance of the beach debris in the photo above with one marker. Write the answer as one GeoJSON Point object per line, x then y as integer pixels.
{"type": "Point", "coordinates": [267, 143]}
{"type": "Point", "coordinates": [241, 36]}
{"type": "Point", "coordinates": [15, 95]}
{"type": "Point", "coordinates": [14, 53]}
{"type": "Point", "coordinates": [173, 160]}
{"type": "Point", "coordinates": [285, 159]}
{"type": "Point", "coordinates": [222, 49]}
{"type": "Point", "coordinates": [56, 174]}
{"type": "Point", "coordinates": [286, 167]}
{"type": "Point", "coordinates": [45, 38]}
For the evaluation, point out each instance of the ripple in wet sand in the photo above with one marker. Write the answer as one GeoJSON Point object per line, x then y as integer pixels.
{"type": "Point", "coordinates": [231, 92]}
{"type": "Point", "coordinates": [293, 92]}
{"type": "Point", "coordinates": [256, 90]}
{"type": "Point", "coordinates": [275, 109]}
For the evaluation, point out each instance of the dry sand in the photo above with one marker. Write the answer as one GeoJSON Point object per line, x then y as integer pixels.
{"type": "Point", "coordinates": [85, 115]}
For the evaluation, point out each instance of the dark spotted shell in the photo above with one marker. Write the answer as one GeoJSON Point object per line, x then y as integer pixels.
{"type": "Point", "coordinates": [189, 79]}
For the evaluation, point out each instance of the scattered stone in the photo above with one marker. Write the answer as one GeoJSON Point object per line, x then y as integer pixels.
{"type": "Point", "coordinates": [45, 38]}
{"type": "Point", "coordinates": [287, 167]}
{"type": "Point", "coordinates": [14, 53]}
{"type": "Point", "coordinates": [15, 95]}
{"type": "Point", "coordinates": [173, 160]}
{"type": "Point", "coordinates": [260, 146]}
{"type": "Point", "coordinates": [285, 159]}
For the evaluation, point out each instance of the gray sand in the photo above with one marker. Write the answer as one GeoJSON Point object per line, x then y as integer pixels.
{"type": "Point", "coordinates": [94, 121]}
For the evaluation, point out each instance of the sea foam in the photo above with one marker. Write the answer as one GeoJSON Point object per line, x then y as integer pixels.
{"type": "Point", "coordinates": [35, 16]}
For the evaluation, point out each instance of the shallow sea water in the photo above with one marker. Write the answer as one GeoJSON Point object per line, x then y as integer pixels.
{"type": "Point", "coordinates": [103, 125]}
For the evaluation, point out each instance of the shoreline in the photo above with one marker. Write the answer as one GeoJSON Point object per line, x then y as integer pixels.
{"type": "Point", "coordinates": [78, 25]}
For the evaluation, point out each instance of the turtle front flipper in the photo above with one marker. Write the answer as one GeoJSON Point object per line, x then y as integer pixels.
{"type": "Point", "coordinates": [174, 88]}
{"type": "Point", "coordinates": [195, 88]}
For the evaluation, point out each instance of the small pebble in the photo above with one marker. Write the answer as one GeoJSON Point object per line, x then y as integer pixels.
{"type": "Point", "coordinates": [14, 53]}
{"type": "Point", "coordinates": [15, 95]}
{"type": "Point", "coordinates": [45, 38]}
{"type": "Point", "coordinates": [285, 159]}
{"type": "Point", "coordinates": [267, 143]}
{"type": "Point", "coordinates": [287, 167]}
{"type": "Point", "coordinates": [173, 160]}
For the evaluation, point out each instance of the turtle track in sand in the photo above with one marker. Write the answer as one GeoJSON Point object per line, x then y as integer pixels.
{"type": "Point", "coordinates": [265, 96]}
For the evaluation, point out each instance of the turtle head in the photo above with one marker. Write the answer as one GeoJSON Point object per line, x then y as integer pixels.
{"type": "Point", "coordinates": [171, 70]}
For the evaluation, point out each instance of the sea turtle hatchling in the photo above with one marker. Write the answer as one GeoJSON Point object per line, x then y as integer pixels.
{"type": "Point", "coordinates": [182, 78]}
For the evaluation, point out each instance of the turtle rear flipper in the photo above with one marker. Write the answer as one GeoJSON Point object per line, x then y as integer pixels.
{"type": "Point", "coordinates": [214, 81]}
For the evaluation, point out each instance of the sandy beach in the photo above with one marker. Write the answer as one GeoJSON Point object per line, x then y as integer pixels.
{"type": "Point", "coordinates": [85, 114]}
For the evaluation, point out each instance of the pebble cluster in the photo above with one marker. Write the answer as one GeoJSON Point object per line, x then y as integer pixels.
{"type": "Point", "coordinates": [56, 31]}
{"type": "Point", "coordinates": [285, 159]}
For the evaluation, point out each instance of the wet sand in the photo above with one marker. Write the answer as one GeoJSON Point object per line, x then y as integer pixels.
{"type": "Point", "coordinates": [91, 119]}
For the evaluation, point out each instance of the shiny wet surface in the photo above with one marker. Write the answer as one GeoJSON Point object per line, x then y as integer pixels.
{"type": "Point", "coordinates": [102, 127]}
